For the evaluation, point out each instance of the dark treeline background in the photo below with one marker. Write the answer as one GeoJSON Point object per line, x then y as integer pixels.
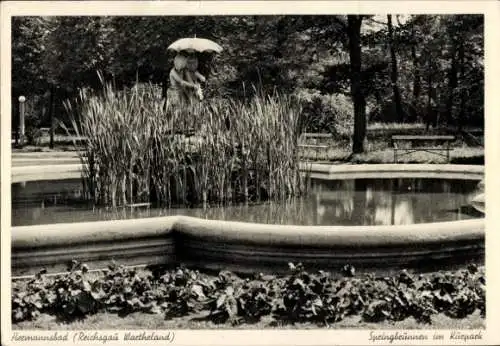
{"type": "Point", "coordinates": [347, 70]}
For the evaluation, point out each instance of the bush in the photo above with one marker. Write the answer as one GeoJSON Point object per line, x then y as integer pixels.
{"type": "Point", "coordinates": [386, 112]}
{"type": "Point", "coordinates": [327, 113]}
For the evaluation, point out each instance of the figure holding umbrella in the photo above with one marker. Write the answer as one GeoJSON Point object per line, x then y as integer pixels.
{"type": "Point", "coordinates": [182, 84]}
{"type": "Point", "coordinates": [185, 78]}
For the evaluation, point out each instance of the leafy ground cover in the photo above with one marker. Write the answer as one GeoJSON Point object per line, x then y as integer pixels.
{"type": "Point", "coordinates": [122, 297]}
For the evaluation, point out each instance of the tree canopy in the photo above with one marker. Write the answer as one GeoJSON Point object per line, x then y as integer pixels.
{"type": "Point", "coordinates": [426, 68]}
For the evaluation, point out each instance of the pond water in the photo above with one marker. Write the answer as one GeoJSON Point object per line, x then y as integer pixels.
{"type": "Point", "coordinates": [330, 202]}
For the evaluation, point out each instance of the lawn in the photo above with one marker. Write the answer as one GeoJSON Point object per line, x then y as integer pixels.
{"type": "Point", "coordinates": [466, 149]}
{"type": "Point", "coordinates": [340, 153]}
{"type": "Point", "coordinates": [137, 320]}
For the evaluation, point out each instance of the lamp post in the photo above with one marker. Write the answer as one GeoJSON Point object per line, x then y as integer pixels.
{"type": "Point", "coordinates": [22, 101]}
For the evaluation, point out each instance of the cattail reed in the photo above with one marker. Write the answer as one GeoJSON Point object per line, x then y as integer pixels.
{"type": "Point", "coordinates": [137, 151]}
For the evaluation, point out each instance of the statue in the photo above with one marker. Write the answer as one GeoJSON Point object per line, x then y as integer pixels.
{"type": "Point", "coordinates": [184, 77]}
{"type": "Point", "coordinates": [194, 76]}
{"type": "Point", "coordinates": [478, 201]}
{"type": "Point", "coordinates": [185, 80]}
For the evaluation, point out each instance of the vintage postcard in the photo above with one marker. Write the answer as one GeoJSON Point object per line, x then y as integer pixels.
{"type": "Point", "coordinates": [250, 172]}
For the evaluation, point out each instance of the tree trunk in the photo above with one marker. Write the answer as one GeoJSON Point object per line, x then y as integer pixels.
{"type": "Point", "coordinates": [430, 111]}
{"type": "Point", "coordinates": [15, 117]}
{"type": "Point", "coordinates": [396, 96]}
{"type": "Point", "coordinates": [463, 95]}
{"type": "Point", "coordinates": [51, 115]}
{"type": "Point", "coordinates": [452, 84]}
{"type": "Point", "coordinates": [416, 81]}
{"type": "Point", "coordinates": [358, 98]}
{"type": "Point", "coordinates": [281, 37]}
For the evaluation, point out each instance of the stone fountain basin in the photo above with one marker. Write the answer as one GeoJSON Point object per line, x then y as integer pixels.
{"type": "Point", "coordinates": [251, 247]}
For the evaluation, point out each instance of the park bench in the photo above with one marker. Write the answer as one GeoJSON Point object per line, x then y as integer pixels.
{"type": "Point", "coordinates": [422, 143]}
{"type": "Point", "coordinates": [311, 141]}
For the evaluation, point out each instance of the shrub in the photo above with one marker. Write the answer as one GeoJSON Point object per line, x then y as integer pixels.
{"type": "Point", "coordinates": [327, 113]}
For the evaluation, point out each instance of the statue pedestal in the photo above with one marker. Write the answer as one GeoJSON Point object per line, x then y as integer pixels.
{"type": "Point", "coordinates": [478, 202]}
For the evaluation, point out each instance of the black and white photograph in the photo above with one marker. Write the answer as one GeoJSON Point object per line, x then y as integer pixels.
{"type": "Point", "coordinates": [194, 170]}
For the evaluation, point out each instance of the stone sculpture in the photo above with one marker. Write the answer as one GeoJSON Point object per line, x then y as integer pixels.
{"type": "Point", "coordinates": [185, 80]}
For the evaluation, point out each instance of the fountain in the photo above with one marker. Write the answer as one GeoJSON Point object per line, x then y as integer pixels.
{"type": "Point", "coordinates": [215, 241]}
{"type": "Point", "coordinates": [478, 201]}
{"type": "Point", "coordinates": [204, 240]}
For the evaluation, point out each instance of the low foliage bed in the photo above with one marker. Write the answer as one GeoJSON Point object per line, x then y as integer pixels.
{"type": "Point", "coordinates": [300, 296]}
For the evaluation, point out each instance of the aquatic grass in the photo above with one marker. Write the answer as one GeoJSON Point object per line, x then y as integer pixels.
{"type": "Point", "coordinates": [137, 149]}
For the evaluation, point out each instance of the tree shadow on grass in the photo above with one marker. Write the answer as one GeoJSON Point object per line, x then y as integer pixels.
{"type": "Point", "coordinates": [222, 319]}
{"type": "Point", "coordinates": [283, 320]}
{"type": "Point", "coordinates": [64, 319]}
{"type": "Point", "coordinates": [208, 317]}
{"type": "Point", "coordinates": [472, 160]}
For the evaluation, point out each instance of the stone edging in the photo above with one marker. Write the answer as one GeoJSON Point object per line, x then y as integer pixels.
{"type": "Point", "coordinates": [333, 171]}
{"type": "Point", "coordinates": [238, 245]}
{"type": "Point", "coordinates": [348, 171]}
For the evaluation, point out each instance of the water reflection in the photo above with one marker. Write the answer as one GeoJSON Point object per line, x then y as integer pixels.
{"type": "Point", "coordinates": [336, 202]}
{"type": "Point", "coordinates": [394, 201]}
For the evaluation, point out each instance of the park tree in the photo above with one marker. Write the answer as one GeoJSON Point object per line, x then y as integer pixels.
{"type": "Point", "coordinates": [28, 51]}
{"type": "Point", "coordinates": [354, 36]}
{"type": "Point", "coordinates": [465, 40]}
{"type": "Point", "coordinates": [416, 68]}
{"type": "Point", "coordinates": [396, 96]}
{"type": "Point", "coordinates": [76, 50]}
{"type": "Point", "coordinates": [432, 48]}
{"type": "Point", "coordinates": [29, 71]}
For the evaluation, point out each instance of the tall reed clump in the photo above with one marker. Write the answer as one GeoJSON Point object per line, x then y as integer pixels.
{"type": "Point", "coordinates": [136, 150]}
